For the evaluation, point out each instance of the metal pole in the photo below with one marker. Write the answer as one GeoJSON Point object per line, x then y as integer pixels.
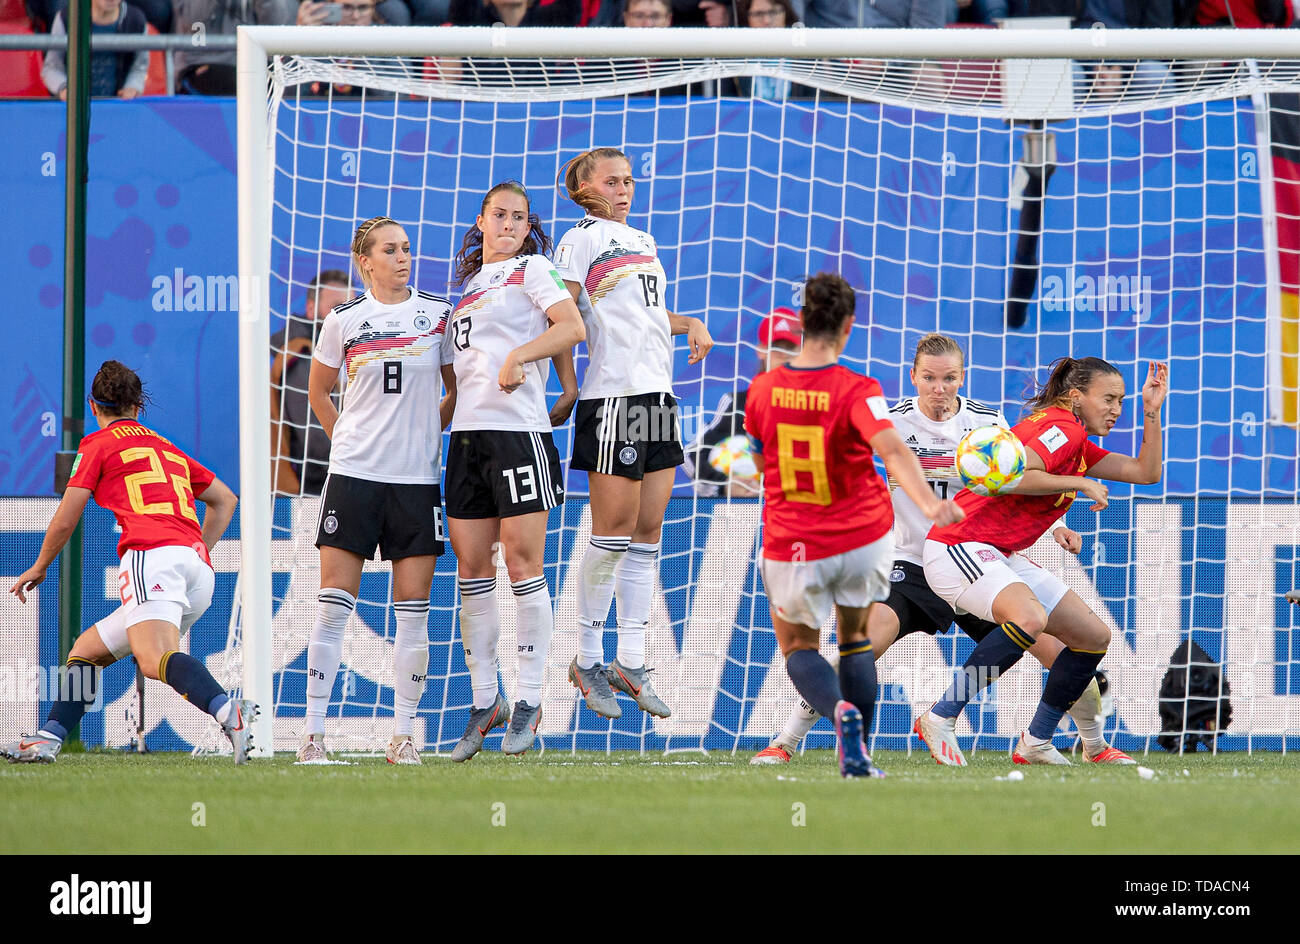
{"type": "Point", "coordinates": [74, 313]}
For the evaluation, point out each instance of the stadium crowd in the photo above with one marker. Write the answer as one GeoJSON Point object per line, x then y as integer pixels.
{"type": "Point", "coordinates": [209, 71]}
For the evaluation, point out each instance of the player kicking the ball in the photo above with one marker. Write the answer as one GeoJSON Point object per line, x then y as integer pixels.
{"type": "Point", "coordinates": [932, 423]}
{"type": "Point", "coordinates": [826, 513]}
{"type": "Point", "coordinates": [165, 579]}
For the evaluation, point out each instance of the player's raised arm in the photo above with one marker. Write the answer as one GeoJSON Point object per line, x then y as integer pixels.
{"type": "Point", "coordinates": [1147, 466]}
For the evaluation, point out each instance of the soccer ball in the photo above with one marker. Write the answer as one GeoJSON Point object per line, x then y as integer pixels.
{"type": "Point", "coordinates": [734, 458]}
{"type": "Point", "coordinates": [990, 459]}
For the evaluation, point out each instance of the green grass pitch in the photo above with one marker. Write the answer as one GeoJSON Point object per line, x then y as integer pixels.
{"type": "Point", "coordinates": [560, 802]}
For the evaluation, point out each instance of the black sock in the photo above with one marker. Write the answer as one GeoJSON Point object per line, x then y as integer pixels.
{"type": "Point", "coordinates": [994, 655]}
{"type": "Point", "coordinates": [78, 689]}
{"type": "Point", "coordinates": [858, 678]}
{"type": "Point", "coordinates": [187, 675]}
{"type": "Point", "coordinates": [1066, 680]}
{"type": "Point", "coordinates": [815, 680]}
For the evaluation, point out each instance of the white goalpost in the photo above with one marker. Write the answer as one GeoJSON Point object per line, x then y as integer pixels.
{"type": "Point", "coordinates": [1032, 193]}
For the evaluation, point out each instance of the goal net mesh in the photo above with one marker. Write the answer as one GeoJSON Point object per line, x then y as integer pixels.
{"type": "Point", "coordinates": [1133, 205]}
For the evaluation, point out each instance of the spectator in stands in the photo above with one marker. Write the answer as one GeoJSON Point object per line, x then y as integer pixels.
{"type": "Point", "coordinates": [349, 13]}
{"type": "Point", "coordinates": [717, 13]}
{"type": "Point", "coordinates": [977, 12]}
{"type": "Point", "coordinates": [780, 337]}
{"type": "Point", "coordinates": [913, 14]}
{"type": "Point", "coordinates": [111, 73]}
{"type": "Point", "coordinates": [515, 12]}
{"type": "Point", "coordinates": [206, 71]}
{"type": "Point", "coordinates": [1245, 14]}
{"type": "Point", "coordinates": [641, 13]}
{"type": "Point", "coordinates": [766, 14]}
{"type": "Point", "coordinates": [1113, 80]}
{"type": "Point", "coordinates": [43, 12]}
{"type": "Point", "coordinates": [299, 447]}
{"type": "Point", "coordinates": [827, 14]}
{"type": "Point", "coordinates": [424, 12]}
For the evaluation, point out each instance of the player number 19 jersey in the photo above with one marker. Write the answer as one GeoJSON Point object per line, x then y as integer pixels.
{"type": "Point", "coordinates": [623, 307]}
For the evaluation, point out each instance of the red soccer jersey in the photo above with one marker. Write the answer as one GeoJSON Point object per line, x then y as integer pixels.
{"type": "Point", "coordinates": [147, 483]}
{"type": "Point", "coordinates": [1014, 522]}
{"type": "Point", "coordinates": [822, 493]}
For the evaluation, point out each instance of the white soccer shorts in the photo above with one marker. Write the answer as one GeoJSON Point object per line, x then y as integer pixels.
{"type": "Point", "coordinates": [969, 576]}
{"type": "Point", "coordinates": [805, 592]}
{"type": "Point", "coordinates": [173, 584]}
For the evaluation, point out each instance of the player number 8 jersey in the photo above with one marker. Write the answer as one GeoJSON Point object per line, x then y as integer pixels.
{"type": "Point", "coordinates": [388, 428]}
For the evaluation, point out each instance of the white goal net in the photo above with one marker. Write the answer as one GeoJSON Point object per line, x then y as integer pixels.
{"type": "Point", "coordinates": [1126, 208]}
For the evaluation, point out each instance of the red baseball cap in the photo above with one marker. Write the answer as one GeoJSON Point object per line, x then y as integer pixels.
{"type": "Point", "coordinates": [781, 325]}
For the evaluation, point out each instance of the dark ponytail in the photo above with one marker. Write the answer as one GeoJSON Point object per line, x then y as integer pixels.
{"type": "Point", "coordinates": [1068, 374]}
{"type": "Point", "coordinates": [117, 389]}
{"type": "Point", "coordinates": [827, 301]}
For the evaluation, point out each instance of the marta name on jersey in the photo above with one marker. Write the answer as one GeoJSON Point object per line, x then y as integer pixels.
{"type": "Point", "coordinates": [822, 494]}
{"type": "Point", "coordinates": [388, 428]}
{"type": "Point", "coordinates": [629, 339]}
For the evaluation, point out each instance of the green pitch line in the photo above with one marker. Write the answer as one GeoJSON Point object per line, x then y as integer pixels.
{"type": "Point", "coordinates": [118, 802]}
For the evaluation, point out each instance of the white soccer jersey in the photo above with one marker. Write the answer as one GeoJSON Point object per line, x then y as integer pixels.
{"type": "Point", "coordinates": [388, 428]}
{"type": "Point", "coordinates": [629, 342]}
{"type": "Point", "coordinates": [504, 307]}
{"type": "Point", "coordinates": [935, 445]}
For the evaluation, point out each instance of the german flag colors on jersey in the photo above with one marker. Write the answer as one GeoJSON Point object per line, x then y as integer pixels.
{"type": "Point", "coordinates": [1014, 522]}
{"type": "Point", "coordinates": [822, 495]}
{"type": "Point", "coordinates": [146, 482]}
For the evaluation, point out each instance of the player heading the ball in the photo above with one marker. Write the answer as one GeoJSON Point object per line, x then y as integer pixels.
{"type": "Point", "coordinates": [626, 436]}
{"type": "Point", "coordinates": [976, 565]}
{"type": "Point", "coordinates": [165, 580]}
{"type": "Point", "coordinates": [503, 473]}
{"type": "Point", "coordinates": [827, 518]}
{"type": "Point", "coordinates": [385, 466]}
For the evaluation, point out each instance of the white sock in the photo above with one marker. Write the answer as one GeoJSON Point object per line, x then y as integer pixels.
{"type": "Point", "coordinates": [223, 713]}
{"type": "Point", "coordinates": [480, 627]}
{"type": "Point", "coordinates": [802, 717]}
{"type": "Point", "coordinates": [634, 584]}
{"type": "Point", "coordinates": [533, 629]}
{"type": "Point", "coordinates": [324, 652]}
{"type": "Point", "coordinates": [595, 592]}
{"type": "Point", "coordinates": [1032, 741]}
{"type": "Point", "coordinates": [410, 661]}
{"type": "Point", "coordinates": [1086, 714]}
